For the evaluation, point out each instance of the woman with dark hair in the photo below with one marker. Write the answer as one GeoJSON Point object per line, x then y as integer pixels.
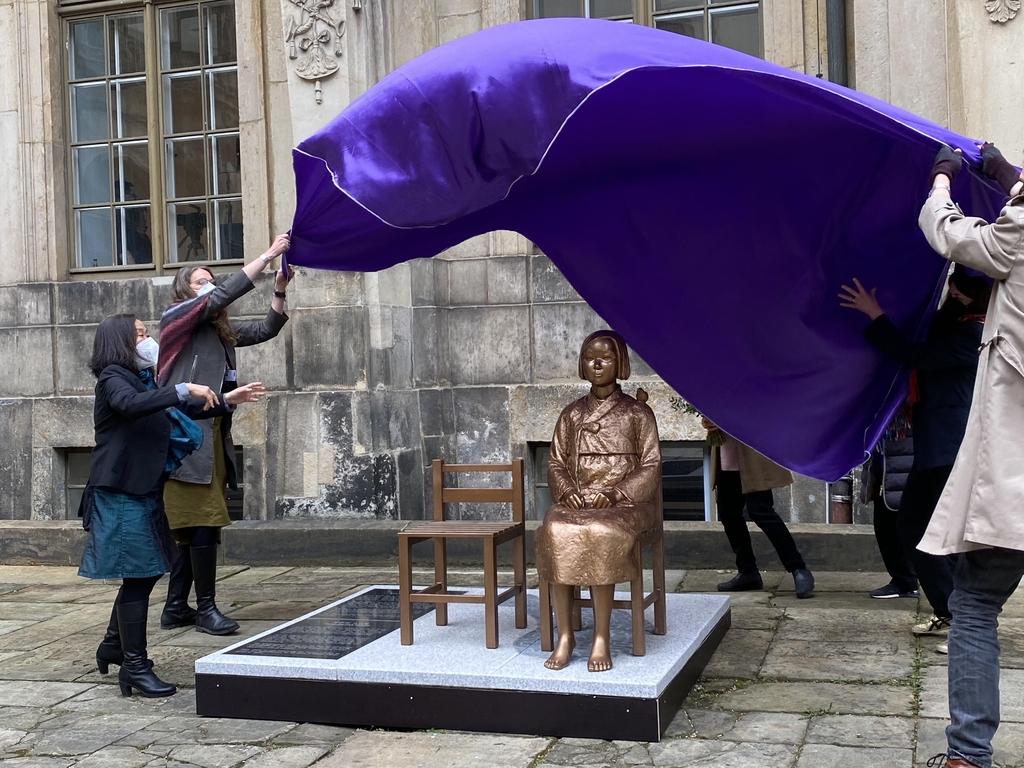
{"type": "Point", "coordinates": [945, 366]}
{"type": "Point", "coordinates": [197, 343]}
{"type": "Point", "coordinates": [128, 534]}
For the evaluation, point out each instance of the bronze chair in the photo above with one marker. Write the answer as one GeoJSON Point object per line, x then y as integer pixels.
{"type": "Point", "coordinates": [492, 534]}
{"type": "Point", "coordinates": [638, 602]}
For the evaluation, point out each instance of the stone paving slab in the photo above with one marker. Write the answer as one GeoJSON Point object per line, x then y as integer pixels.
{"type": "Point", "coordinates": [819, 697]}
{"type": "Point", "coordinates": [772, 696]}
{"type": "Point", "coordinates": [437, 750]}
{"type": "Point", "coordinates": [831, 756]}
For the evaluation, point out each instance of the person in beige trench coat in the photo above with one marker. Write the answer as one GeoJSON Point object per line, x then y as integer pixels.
{"type": "Point", "coordinates": [981, 510]}
{"type": "Point", "coordinates": [744, 478]}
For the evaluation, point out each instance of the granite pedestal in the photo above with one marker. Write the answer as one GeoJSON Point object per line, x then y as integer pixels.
{"type": "Point", "coordinates": [344, 665]}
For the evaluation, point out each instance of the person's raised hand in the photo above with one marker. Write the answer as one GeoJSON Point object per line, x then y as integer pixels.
{"type": "Point", "coordinates": [205, 393]}
{"type": "Point", "coordinates": [249, 393]}
{"type": "Point", "coordinates": [575, 501]}
{"type": "Point", "coordinates": [947, 163]}
{"type": "Point", "coordinates": [997, 167]}
{"type": "Point", "coordinates": [280, 245]}
{"type": "Point", "coordinates": [281, 279]}
{"type": "Point", "coordinates": [860, 299]}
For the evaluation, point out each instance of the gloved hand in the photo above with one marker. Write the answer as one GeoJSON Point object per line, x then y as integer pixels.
{"type": "Point", "coordinates": [995, 166]}
{"type": "Point", "coordinates": [947, 162]}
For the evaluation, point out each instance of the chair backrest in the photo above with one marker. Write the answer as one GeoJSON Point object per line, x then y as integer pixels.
{"type": "Point", "coordinates": [513, 495]}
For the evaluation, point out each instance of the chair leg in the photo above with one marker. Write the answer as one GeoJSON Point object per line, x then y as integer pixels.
{"type": "Point", "coordinates": [577, 612]}
{"type": "Point", "coordinates": [441, 577]}
{"type": "Point", "coordinates": [547, 640]}
{"type": "Point", "coordinates": [405, 589]}
{"type": "Point", "coordinates": [491, 593]}
{"type": "Point", "coordinates": [636, 599]}
{"type": "Point", "coordinates": [658, 564]}
{"type": "Point", "coordinates": [519, 572]}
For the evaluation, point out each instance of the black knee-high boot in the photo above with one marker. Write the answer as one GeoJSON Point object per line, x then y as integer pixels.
{"type": "Point", "coordinates": [177, 611]}
{"type": "Point", "coordinates": [136, 671]}
{"type": "Point", "coordinates": [109, 651]}
{"type": "Point", "coordinates": [204, 570]}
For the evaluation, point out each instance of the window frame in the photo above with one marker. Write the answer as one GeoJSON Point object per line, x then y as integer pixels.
{"type": "Point", "coordinates": [644, 14]}
{"type": "Point", "coordinates": [70, 11]}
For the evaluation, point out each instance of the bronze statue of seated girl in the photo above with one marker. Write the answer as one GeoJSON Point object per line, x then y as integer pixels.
{"type": "Point", "coordinates": [603, 472]}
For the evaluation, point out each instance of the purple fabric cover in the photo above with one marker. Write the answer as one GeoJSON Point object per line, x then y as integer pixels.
{"type": "Point", "coordinates": [707, 204]}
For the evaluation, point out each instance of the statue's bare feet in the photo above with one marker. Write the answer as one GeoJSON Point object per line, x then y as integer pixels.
{"type": "Point", "coordinates": [600, 657]}
{"type": "Point", "coordinates": [562, 654]}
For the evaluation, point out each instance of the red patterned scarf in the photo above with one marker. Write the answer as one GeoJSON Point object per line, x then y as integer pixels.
{"type": "Point", "coordinates": [177, 325]}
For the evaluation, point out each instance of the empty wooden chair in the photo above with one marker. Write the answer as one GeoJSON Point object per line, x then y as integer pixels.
{"type": "Point", "coordinates": [492, 534]}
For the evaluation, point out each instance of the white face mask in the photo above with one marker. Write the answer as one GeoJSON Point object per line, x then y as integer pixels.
{"type": "Point", "coordinates": [205, 289]}
{"type": "Point", "coordinates": [147, 352]}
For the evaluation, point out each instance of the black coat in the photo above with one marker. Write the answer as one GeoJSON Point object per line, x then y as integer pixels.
{"type": "Point", "coordinates": [946, 365]}
{"type": "Point", "coordinates": [133, 432]}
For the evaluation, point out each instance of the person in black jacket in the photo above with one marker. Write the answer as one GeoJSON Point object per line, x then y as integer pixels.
{"type": "Point", "coordinates": [945, 366]}
{"type": "Point", "coordinates": [129, 537]}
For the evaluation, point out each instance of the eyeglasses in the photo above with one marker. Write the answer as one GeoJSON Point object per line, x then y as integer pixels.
{"type": "Point", "coordinates": [201, 281]}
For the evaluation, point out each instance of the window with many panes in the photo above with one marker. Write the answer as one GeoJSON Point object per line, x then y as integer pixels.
{"type": "Point", "coordinates": [154, 146]}
{"type": "Point", "coordinates": [732, 23]}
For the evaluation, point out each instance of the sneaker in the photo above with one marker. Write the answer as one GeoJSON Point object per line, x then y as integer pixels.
{"type": "Point", "coordinates": [891, 590]}
{"type": "Point", "coordinates": [942, 648]}
{"type": "Point", "coordinates": [935, 625]}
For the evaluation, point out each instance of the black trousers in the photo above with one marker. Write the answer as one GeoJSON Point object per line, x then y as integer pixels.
{"type": "Point", "coordinates": [894, 554]}
{"type": "Point", "coordinates": [761, 508]}
{"type": "Point", "coordinates": [934, 572]}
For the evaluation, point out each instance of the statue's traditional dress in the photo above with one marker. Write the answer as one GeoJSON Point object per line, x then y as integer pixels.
{"type": "Point", "coordinates": [599, 445]}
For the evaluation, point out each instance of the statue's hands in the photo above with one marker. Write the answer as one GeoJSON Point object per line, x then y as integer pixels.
{"type": "Point", "coordinates": [709, 425]}
{"type": "Point", "coordinates": [606, 499]}
{"type": "Point", "coordinates": [575, 501]}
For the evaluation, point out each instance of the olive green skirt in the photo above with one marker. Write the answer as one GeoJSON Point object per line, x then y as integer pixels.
{"type": "Point", "coordinates": [189, 505]}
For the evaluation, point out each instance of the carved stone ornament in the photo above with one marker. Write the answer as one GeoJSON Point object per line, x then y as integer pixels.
{"type": "Point", "coordinates": [314, 40]}
{"type": "Point", "coordinates": [1002, 11]}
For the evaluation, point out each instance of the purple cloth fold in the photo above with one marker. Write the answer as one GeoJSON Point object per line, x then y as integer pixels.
{"type": "Point", "coordinates": [707, 204]}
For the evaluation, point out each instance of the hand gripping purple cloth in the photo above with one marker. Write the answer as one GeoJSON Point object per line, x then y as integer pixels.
{"type": "Point", "coordinates": [708, 205]}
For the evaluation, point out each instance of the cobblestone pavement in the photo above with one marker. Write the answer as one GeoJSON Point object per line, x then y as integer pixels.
{"type": "Point", "coordinates": [830, 682]}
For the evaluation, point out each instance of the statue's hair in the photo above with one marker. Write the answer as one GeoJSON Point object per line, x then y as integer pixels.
{"type": "Point", "coordinates": [621, 352]}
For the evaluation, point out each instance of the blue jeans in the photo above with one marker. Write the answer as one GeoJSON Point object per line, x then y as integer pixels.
{"type": "Point", "coordinates": [983, 582]}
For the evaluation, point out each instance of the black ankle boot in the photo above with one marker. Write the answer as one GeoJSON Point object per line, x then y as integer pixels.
{"type": "Point", "coordinates": [803, 582]}
{"type": "Point", "coordinates": [204, 571]}
{"type": "Point", "coordinates": [136, 671]}
{"type": "Point", "coordinates": [742, 582]}
{"type": "Point", "coordinates": [177, 612]}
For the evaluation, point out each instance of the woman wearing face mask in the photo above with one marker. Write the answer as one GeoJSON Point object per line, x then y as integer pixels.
{"type": "Point", "coordinates": [945, 366]}
{"type": "Point", "coordinates": [139, 436]}
{"type": "Point", "coordinates": [197, 344]}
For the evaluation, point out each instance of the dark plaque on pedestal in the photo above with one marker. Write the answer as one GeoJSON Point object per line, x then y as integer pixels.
{"type": "Point", "coordinates": [337, 631]}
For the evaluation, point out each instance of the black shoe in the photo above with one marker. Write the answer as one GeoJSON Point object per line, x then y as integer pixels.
{"type": "Point", "coordinates": [177, 612]}
{"type": "Point", "coordinates": [109, 651]}
{"type": "Point", "coordinates": [204, 571]}
{"type": "Point", "coordinates": [890, 591]}
{"type": "Point", "coordinates": [136, 671]}
{"type": "Point", "coordinates": [803, 582]}
{"type": "Point", "coordinates": [742, 582]}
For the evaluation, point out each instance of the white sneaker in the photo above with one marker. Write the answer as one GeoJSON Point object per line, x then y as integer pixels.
{"type": "Point", "coordinates": [942, 648]}
{"type": "Point", "coordinates": [934, 626]}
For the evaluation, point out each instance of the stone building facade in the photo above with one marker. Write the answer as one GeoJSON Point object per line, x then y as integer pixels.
{"type": "Point", "coordinates": [117, 172]}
